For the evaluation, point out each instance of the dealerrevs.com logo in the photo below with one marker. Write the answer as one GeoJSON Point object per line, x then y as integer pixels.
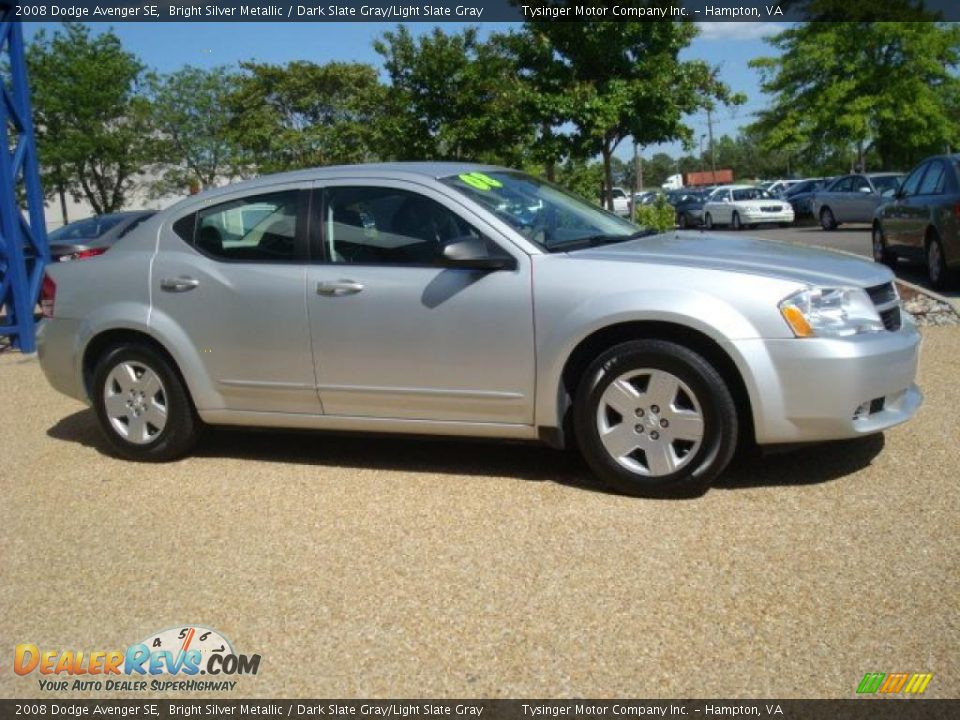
{"type": "Point", "coordinates": [173, 659]}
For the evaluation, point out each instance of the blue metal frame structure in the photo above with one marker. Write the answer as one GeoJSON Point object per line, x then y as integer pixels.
{"type": "Point", "coordinates": [23, 239]}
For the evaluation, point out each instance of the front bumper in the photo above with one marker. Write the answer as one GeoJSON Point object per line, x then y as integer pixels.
{"type": "Point", "coordinates": [809, 389]}
{"type": "Point", "coordinates": [768, 217]}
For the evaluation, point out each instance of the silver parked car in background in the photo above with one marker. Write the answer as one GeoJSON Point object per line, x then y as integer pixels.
{"type": "Point", "coordinates": [853, 198]}
{"type": "Point", "coordinates": [453, 299]}
{"type": "Point", "coordinates": [93, 236]}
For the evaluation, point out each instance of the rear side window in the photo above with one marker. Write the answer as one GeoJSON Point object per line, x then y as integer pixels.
{"type": "Point", "coordinates": [259, 228]}
{"type": "Point", "coordinates": [844, 184]}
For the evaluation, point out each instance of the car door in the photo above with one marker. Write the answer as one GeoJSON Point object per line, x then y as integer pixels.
{"type": "Point", "coordinates": [396, 334]}
{"type": "Point", "coordinates": [861, 201]}
{"type": "Point", "coordinates": [897, 216]}
{"type": "Point", "coordinates": [228, 282]}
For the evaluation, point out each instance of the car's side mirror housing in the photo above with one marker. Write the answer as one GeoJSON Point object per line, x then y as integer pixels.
{"type": "Point", "coordinates": [474, 254]}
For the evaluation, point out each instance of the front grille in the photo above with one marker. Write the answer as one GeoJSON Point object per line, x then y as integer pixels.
{"type": "Point", "coordinates": [887, 302]}
{"type": "Point", "coordinates": [771, 208]}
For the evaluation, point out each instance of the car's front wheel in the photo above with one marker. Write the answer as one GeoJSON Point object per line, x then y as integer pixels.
{"type": "Point", "coordinates": [708, 221]}
{"type": "Point", "coordinates": [142, 405]}
{"type": "Point", "coordinates": [653, 418]}
{"type": "Point", "coordinates": [881, 253]}
{"type": "Point", "coordinates": [735, 221]}
{"type": "Point", "coordinates": [937, 271]}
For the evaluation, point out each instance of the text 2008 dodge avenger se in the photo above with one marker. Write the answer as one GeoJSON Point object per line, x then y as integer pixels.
{"type": "Point", "coordinates": [454, 299]}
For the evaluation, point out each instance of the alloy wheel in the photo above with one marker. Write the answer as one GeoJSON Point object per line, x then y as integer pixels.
{"type": "Point", "coordinates": [136, 402]}
{"type": "Point", "coordinates": [650, 422]}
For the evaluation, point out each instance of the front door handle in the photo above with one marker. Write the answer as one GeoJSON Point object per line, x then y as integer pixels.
{"type": "Point", "coordinates": [339, 288]}
{"type": "Point", "coordinates": [178, 284]}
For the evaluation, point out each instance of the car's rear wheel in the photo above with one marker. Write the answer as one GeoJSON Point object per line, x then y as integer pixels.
{"type": "Point", "coordinates": [653, 418]}
{"type": "Point", "coordinates": [827, 220]}
{"type": "Point", "coordinates": [708, 221]}
{"type": "Point", "coordinates": [735, 221]}
{"type": "Point", "coordinates": [881, 253]}
{"type": "Point", "coordinates": [142, 405]}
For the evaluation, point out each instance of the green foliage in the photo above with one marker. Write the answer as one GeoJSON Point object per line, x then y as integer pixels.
{"type": "Point", "coordinates": [453, 97]}
{"type": "Point", "coordinates": [611, 80]}
{"type": "Point", "coordinates": [302, 114]}
{"type": "Point", "coordinates": [94, 132]}
{"type": "Point", "coordinates": [191, 114]}
{"type": "Point", "coordinates": [846, 89]}
{"type": "Point", "coordinates": [658, 215]}
{"type": "Point", "coordinates": [581, 178]}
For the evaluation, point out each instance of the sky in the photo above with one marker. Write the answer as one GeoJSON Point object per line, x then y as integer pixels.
{"type": "Point", "coordinates": [168, 46]}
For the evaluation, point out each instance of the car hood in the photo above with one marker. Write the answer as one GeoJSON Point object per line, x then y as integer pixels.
{"type": "Point", "coordinates": [745, 255]}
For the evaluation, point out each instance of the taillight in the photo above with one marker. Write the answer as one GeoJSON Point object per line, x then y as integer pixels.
{"type": "Point", "coordinates": [48, 295]}
{"type": "Point", "coordinates": [956, 210]}
{"type": "Point", "coordinates": [82, 254]}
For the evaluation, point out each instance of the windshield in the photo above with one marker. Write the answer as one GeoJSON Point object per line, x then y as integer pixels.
{"type": "Point", "coordinates": [886, 182]}
{"type": "Point", "coordinates": [88, 229]}
{"type": "Point", "coordinates": [547, 216]}
{"type": "Point", "coordinates": [751, 194]}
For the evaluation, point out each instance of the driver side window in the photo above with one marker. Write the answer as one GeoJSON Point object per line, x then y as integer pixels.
{"type": "Point", "coordinates": [912, 183]}
{"type": "Point", "coordinates": [388, 226]}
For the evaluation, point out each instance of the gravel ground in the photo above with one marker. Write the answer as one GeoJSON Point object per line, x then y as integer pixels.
{"type": "Point", "coordinates": [411, 568]}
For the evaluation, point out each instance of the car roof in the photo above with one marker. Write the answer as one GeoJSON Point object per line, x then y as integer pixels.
{"type": "Point", "coordinates": [736, 187]}
{"type": "Point", "coordinates": [393, 170]}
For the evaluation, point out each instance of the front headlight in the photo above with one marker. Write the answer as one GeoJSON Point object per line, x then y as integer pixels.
{"type": "Point", "coordinates": [830, 312]}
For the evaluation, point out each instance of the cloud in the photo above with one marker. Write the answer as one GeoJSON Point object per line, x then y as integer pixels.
{"type": "Point", "coordinates": [738, 30]}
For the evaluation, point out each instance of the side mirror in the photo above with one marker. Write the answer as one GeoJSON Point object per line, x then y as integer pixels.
{"type": "Point", "coordinates": [865, 190]}
{"type": "Point", "coordinates": [473, 254]}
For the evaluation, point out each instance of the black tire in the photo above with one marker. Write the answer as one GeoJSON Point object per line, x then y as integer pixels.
{"type": "Point", "coordinates": [881, 253]}
{"type": "Point", "coordinates": [708, 221]}
{"type": "Point", "coordinates": [182, 426]}
{"type": "Point", "coordinates": [710, 392]}
{"type": "Point", "coordinates": [735, 223]}
{"type": "Point", "coordinates": [827, 220]}
{"type": "Point", "coordinates": [682, 221]}
{"type": "Point", "coordinates": [938, 273]}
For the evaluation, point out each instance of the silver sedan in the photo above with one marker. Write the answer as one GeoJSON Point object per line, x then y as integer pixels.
{"type": "Point", "coordinates": [853, 198]}
{"type": "Point", "coordinates": [457, 299]}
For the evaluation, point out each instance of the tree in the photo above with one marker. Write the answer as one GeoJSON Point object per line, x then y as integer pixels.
{"type": "Point", "coordinates": [191, 113]}
{"type": "Point", "coordinates": [303, 114]}
{"type": "Point", "coordinates": [612, 80]}
{"type": "Point", "coordinates": [454, 97]}
{"type": "Point", "coordinates": [93, 123]}
{"type": "Point", "coordinates": [844, 90]}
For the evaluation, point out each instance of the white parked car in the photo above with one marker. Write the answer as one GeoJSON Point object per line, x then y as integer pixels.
{"type": "Point", "coordinates": [742, 206]}
{"type": "Point", "coordinates": [621, 202]}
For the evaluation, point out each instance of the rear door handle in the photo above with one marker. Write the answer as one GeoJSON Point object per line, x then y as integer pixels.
{"type": "Point", "coordinates": [339, 288]}
{"type": "Point", "coordinates": [178, 284]}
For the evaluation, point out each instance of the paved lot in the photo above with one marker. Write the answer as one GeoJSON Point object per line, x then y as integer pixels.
{"type": "Point", "coordinates": [365, 567]}
{"type": "Point", "coordinates": [849, 238]}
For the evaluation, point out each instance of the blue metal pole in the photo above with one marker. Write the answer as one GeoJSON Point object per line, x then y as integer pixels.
{"type": "Point", "coordinates": [23, 240]}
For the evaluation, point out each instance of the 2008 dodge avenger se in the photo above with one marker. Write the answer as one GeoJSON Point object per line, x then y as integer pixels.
{"type": "Point", "coordinates": [456, 299]}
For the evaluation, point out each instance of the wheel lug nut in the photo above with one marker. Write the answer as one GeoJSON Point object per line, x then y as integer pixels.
{"type": "Point", "coordinates": [654, 435]}
{"type": "Point", "coordinates": [638, 428]}
{"type": "Point", "coordinates": [654, 408]}
{"type": "Point", "coordinates": [664, 423]}
{"type": "Point", "coordinates": [639, 412]}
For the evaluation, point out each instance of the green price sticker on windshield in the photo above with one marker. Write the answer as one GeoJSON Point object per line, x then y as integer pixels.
{"type": "Point", "coordinates": [480, 181]}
